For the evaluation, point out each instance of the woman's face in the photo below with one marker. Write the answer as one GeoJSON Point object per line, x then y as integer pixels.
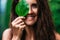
{"type": "Point", "coordinates": [31, 17]}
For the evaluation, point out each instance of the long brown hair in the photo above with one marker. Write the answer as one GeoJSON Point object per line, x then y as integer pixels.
{"type": "Point", "coordinates": [44, 27]}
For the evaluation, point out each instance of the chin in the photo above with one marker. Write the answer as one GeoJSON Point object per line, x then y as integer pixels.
{"type": "Point", "coordinates": [30, 23]}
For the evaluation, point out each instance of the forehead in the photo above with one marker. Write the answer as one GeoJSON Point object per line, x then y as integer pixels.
{"type": "Point", "coordinates": [31, 1]}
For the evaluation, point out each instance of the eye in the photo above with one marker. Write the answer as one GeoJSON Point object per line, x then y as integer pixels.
{"type": "Point", "coordinates": [34, 5]}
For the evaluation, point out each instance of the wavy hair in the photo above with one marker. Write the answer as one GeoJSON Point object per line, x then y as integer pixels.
{"type": "Point", "coordinates": [44, 27]}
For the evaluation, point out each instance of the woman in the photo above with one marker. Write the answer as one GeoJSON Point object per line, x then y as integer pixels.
{"type": "Point", "coordinates": [37, 25]}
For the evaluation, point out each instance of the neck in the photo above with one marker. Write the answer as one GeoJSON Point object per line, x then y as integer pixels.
{"type": "Point", "coordinates": [29, 33]}
{"type": "Point", "coordinates": [29, 30]}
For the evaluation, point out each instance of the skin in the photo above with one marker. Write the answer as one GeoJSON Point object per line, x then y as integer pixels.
{"type": "Point", "coordinates": [21, 23]}
{"type": "Point", "coordinates": [32, 10]}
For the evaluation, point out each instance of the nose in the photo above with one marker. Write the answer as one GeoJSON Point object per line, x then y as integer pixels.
{"type": "Point", "coordinates": [30, 11]}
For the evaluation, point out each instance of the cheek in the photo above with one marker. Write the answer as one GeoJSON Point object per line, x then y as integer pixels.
{"type": "Point", "coordinates": [31, 22]}
{"type": "Point", "coordinates": [36, 19]}
{"type": "Point", "coordinates": [35, 10]}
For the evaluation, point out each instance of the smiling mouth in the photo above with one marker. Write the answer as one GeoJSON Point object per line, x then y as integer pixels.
{"type": "Point", "coordinates": [30, 17]}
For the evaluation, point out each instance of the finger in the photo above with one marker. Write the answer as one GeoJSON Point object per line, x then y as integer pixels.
{"type": "Point", "coordinates": [18, 18]}
{"type": "Point", "coordinates": [13, 24]}
{"type": "Point", "coordinates": [18, 22]}
{"type": "Point", "coordinates": [16, 26]}
{"type": "Point", "coordinates": [22, 24]}
{"type": "Point", "coordinates": [19, 25]}
{"type": "Point", "coordinates": [22, 27]}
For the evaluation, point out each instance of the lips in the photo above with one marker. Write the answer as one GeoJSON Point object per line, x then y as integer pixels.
{"type": "Point", "coordinates": [30, 17]}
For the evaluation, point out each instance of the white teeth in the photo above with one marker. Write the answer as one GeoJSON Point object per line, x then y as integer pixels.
{"type": "Point", "coordinates": [30, 16]}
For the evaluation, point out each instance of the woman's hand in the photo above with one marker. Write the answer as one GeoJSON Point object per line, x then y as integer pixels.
{"type": "Point", "coordinates": [18, 26]}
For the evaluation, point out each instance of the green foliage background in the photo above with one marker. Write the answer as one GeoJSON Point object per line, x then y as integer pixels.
{"type": "Point", "coordinates": [54, 7]}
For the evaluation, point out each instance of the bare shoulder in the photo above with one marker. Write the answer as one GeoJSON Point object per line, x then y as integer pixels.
{"type": "Point", "coordinates": [6, 34]}
{"type": "Point", "coordinates": [57, 36]}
